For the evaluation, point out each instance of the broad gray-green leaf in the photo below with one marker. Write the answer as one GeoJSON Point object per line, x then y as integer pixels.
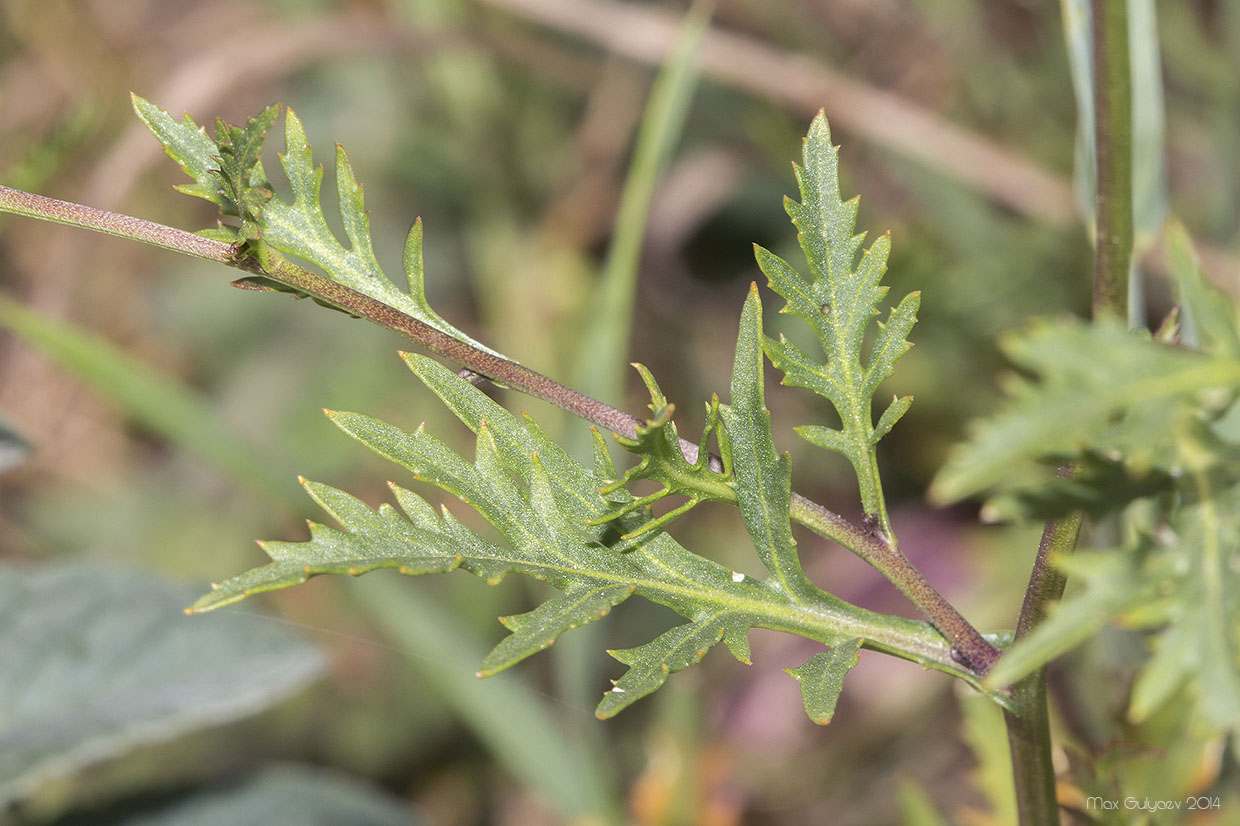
{"type": "Point", "coordinates": [285, 796]}
{"type": "Point", "coordinates": [98, 661]}
{"type": "Point", "coordinates": [547, 509]}
{"type": "Point", "coordinates": [822, 679]}
{"type": "Point", "coordinates": [839, 302]}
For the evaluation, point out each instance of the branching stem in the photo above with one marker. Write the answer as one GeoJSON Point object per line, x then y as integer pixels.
{"type": "Point", "coordinates": [971, 649]}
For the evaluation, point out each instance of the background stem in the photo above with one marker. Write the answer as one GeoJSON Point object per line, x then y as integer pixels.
{"type": "Point", "coordinates": [1113, 157]}
{"type": "Point", "coordinates": [1028, 724]}
{"type": "Point", "coordinates": [1029, 732]}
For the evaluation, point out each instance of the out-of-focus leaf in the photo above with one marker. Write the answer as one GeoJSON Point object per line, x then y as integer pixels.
{"type": "Point", "coordinates": [1098, 485]}
{"type": "Point", "coordinates": [916, 807]}
{"type": "Point", "coordinates": [1184, 590]}
{"type": "Point", "coordinates": [97, 661]}
{"type": "Point", "coordinates": [1210, 317]}
{"type": "Point", "coordinates": [986, 735]}
{"type": "Point", "coordinates": [1087, 378]}
{"type": "Point", "coordinates": [13, 447]}
{"type": "Point", "coordinates": [503, 712]}
{"type": "Point", "coordinates": [822, 679]}
{"type": "Point", "coordinates": [1113, 584]}
{"type": "Point", "coordinates": [285, 796]}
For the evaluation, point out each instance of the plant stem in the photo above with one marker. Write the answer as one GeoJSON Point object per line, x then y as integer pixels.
{"type": "Point", "coordinates": [1029, 733]}
{"type": "Point", "coordinates": [970, 648]}
{"type": "Point", "coordinates": [114, 223]}
{"type": "Point", "coordinates": [1028, 724]}
{"type": "Point", "coordinates": [1113, 157]}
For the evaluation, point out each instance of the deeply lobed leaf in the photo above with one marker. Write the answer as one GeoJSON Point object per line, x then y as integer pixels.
{"type": "Point", "coordinates": [657, 442]}
{"type": "Point", "coordinates": [227, 171]}
{"type": "Point", "coordinates": [839, 301]}
{"type": "Point", "coordinates": [543, 503]}
{"type": "Point", "coordinates": [1093, 388]}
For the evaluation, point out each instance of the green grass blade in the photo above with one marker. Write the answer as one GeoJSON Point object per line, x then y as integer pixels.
{"type": "Point", "coordinates": [156, 401]}
{"type": "Point", "coordinates": [503, 712]}
{"type": "Point", "coordinates": [611, 319]}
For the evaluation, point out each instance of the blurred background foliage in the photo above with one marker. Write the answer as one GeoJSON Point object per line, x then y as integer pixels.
{"type": "Point", "coordinates": [508, 125]}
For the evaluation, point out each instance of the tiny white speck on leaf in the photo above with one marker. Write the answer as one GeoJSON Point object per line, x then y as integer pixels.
{"type": "Point", "coordinates": [737, 576]}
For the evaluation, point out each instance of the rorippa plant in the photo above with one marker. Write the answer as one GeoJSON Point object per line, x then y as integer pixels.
{"type": "Point", "coordinates": [1134, 431]}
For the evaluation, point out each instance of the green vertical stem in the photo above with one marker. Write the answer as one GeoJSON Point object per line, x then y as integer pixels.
{"type": "Point", "coordinates": [1029, 732]}
{"type": "Point", "coordinates": [1113, 152]}
{"type": "Point", "coordinates": [1028, 725]}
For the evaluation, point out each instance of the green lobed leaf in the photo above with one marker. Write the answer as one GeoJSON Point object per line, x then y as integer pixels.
{"type": "Point", "coordinates": [652, 663]}
{"type": "Point", "coordinates": [822, 679]}
{"type": "Point", "coordinates": [243, 182]}
{"type": "Point", "coordinates": [839, 302]}
{"type": "Point", "coordinates": [663, 461]}
{"type": "Point", "coordinates": [227, 171]}
{"type": "Point", "coordinates": [764, 493]}
{"type": "Point", "coordinates": [545, 506]}
{"type": "Point", "coordinates": [538, 629]}
{"type": "Point", "coordinates": [300, 229]}
{"type": "Point", "coordinates": [186, 143]}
